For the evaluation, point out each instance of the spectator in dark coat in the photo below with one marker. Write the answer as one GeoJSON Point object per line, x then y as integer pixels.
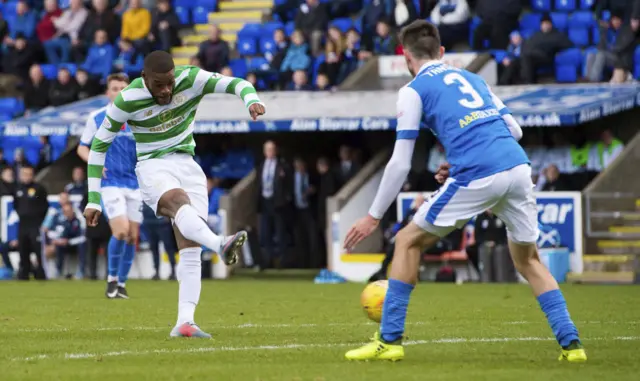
{"type": "Point", "coordinates": [78, 184]}
{"type": "Point", "coordinates": [300, 82]}
{"type": "Point", "coordinates": [100, 57]}
{"type": "Point", "coordinates": [374, 11]}
{"type": "Point", "coordinates": [627, 8]}
{"type": "Point", "coordinates": [498, 19]}
{"type": "Point", "coordinates": [100, 17]}
{"type": "Point", "coordinates": [165, 26]}
{"type": "Point", "coordinates": [19, 58]}
{"type": "Point", "coordinates": [46, 29]}
{"type": "Point", "coordinates": [606, 54]}
{"type": "Point", "coordinates": [64, 89]}
{"type": "Point", "coordinates": [312, 19]}
{"type": "Point", "coordinates": [36, 91]}
{"type": "Point", "coordinates": [511, 63]}
{"type": "Point", "coordinates": [7, 180]}
{"type": "Point", "coordinates": [554, 180]}
{"type": "Point", "coordinates": [213, 54]}
{"type": "Point", "coordinates": [540, 49]}
{"type": "Point", "coordinates": [347, 168]}
{"type": "Point", "coordinates": [383, 42]}
{"type": "Point", "coordinates": [87, 86]}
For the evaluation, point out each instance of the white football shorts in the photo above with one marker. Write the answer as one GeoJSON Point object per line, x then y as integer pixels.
{"type": "Point", "coordinates": [508, 194]}
{"type": "Point", "coordinates": [122, 202]}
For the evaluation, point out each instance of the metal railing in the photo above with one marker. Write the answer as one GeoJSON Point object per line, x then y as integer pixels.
{"type": "Point", "coordinates": [612, 214]}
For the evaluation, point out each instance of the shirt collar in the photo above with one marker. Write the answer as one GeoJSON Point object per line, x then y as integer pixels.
{"type": "Point", "coordinates": [429, 63]}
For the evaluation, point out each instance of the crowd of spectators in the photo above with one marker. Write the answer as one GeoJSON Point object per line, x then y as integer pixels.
{"type": "Point", "coordinates": [86, 42]}
{"type": "Point", "coordinates": [291, 198]}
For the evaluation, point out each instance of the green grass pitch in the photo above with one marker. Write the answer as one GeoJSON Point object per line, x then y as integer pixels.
{"type": "Point", "coordinates": [295, 330]}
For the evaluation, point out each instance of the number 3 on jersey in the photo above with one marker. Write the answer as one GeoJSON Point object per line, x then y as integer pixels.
{"type": "Point", "coordinates": [465, 88]}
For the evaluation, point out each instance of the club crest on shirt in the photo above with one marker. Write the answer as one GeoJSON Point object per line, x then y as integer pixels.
{"type": "Point", "coordinates": [106, 124]}
{"type": "Point", "coordinates": [165, 115]}
{"type": "Point", "coordinates": [148, 113]}
{"type": "Point", "coordinates": [31, 192]}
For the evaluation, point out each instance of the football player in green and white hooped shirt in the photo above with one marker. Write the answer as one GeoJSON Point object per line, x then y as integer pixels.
{"type": "Point", "coordinates": [160, 108]}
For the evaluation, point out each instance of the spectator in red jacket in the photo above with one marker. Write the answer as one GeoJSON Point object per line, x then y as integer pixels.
{"type": "Point", "coordinates": [45, 28]}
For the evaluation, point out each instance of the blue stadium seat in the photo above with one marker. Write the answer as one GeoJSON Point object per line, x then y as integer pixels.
{"type": "Point", "coordinates": [271, 27]}
{"type": "Point", "coordinates": [289, 28]}
{"type": "Point", "coordinates": [239, 67]}
{"type": "Point", "coordinates": [560, 20]}
{"type": "Point", "coordinates": [50, 71]}
{"type": "Point", "coordinates": [13, 106]}
{"type": "Point", "coordinates": [252, 30]}
{"type": "Point", "coordinates": [187, 4]}
{"type": "Point", "coordinates": [636, 62]}
{"type": "Point", "coordinates": [63, 4]}
{"type": "Point", "coordinates": [316, 67]}
{"type": "Point", "coordinates": [343, 23]}
{"type": "Point", "coordinates": [475, 21]}
{"type": "Point", "coordinates": [530, 21]}
{"type": "Point", "coordinates": [58, 145]}
{"type": "Point", "coordinates": [606, 15]}
{"type": "Point", "coordinates": [5, 116]}
{"type": "Point", "coordinates": [579, 36]}
{"type": "Point", "coordinates": [595, 35]}
{"type": "Point", "coordinates": [183, 15]}
{"type": "Point", "coordinates": [541, 5]}
{"type": "Point", "coordinates": [565, 5]}
{"type": "Point", "coordinates": [581, 19]}
{"type": "Point", "coordinates": [209, 5]}
{"type": "Point", "coordinates": [200, 15]}
{"type": "Point", "coordinates": [247, 46]}
{"type": "Point", "coordinates": [258, 63]}
{"type": "Point", "coordinates": [587, 4]}
{"type": "Point", "coordinates": [567, 64]}
{"type": "Point", "coordinates": [267, 45]}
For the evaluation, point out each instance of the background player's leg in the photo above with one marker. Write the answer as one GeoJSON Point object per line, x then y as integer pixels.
{"type": "Point", "coordinates": [410, 241]}
{"type": "Point", "coordinates": [120, 231]}
{"type": "Point", "coordinates": [129, 252]}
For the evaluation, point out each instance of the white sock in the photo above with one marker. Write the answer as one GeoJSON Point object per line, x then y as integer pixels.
{"type": "Point", "coordinates": [189, 277]}
{"type": "Point", "coordinates": [111, 278]}
{"type": "Point", "coordinates": [195, 229]}
{"type": "Point", "coordinates": [121, 284]}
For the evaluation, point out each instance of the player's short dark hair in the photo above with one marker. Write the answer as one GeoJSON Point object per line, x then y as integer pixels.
{"type": "Point", "coordinates": [158, 61]}
{"type": "Point", "coordinates": [120, 77]}
{"type": "Point", "coordinates": [422, 39]}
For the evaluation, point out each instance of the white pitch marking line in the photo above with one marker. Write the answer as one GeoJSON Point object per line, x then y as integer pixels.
{"type": "Point", "coordinates": [454, 340]}
{"type": "Point", "coordinates": [285, 325]}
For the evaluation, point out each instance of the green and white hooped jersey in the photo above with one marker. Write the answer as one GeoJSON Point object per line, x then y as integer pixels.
{"type": "Point", "coordinates": [159, 129]}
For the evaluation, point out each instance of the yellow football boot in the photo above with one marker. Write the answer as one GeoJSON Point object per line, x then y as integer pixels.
{"type": "Point", "coordinates": [377, 350]}
{"type": "Point", "coordinates": [574, 353]}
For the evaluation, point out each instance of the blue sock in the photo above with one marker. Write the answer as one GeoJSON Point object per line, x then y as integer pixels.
{"type": "Point", "coordinates": [126, 263]}
{"type": "Point", "coordinates": [114, 253]}
{"type": "Point", "coordinates": [554, 307]}
{"type": "Point", "coordinates": [394, 310]}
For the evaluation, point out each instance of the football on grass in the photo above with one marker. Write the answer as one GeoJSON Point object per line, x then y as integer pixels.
{"type": "Point", "coordinates": [372, 299]}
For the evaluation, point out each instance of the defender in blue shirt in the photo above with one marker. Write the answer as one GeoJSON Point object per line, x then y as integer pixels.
{"type": "Point", "coordinates": [122, 201]}
{"type": "Point", "coordinates": [486, 169]}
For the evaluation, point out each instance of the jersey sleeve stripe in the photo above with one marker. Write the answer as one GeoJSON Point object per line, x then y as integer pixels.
{"type": "Point", "coordinates": [407, 134]}
{"type": "Point", "coordinates": [231, 88]}
{"type": "Point", "coordinates": [94, 182]}
{"type": "Point", "coordinates": [221, 84]}
{"type": "Point", "coordinates": [99, 146]}
{"type": "Point", "coordinates": [94, 198]}
{"type": "Point", "coordinates": [116, 113]}
{"type": "Point", "coordinates": [95, 171]}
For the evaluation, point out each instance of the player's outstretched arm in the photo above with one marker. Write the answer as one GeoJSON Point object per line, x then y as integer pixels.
{"type": "Point", "coordinates": [103, 138]}
{"type": "Point", "coordinates": [395, 174]}
{"type": "Point", "coordinates": [218, 83]}
{"type": "Point", "coordinates": [512, 124]}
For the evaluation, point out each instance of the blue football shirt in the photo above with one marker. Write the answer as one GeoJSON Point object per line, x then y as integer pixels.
{"type": "Point", "coordinates": [121, 158]}
{"type": "Point", "coordinates": [460, 109]}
